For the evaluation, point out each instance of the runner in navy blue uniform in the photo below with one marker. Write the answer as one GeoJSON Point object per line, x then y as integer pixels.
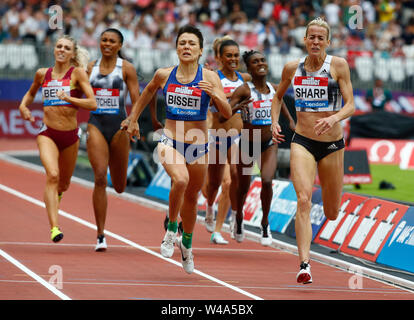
{"type": "Point", "coordinates": [319, 81]}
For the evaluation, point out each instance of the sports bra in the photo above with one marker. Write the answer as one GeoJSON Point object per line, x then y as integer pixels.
{"type": "Point", "coordinates": [185, 102]}
{"type": "Point", "coordinates": [110, 90]}
{"type": "Point", "coordinates": [316, 91]}
{"type": "Point", "coordinates": [228, 86]}
{"type": "Point", "coordinates": [259, 111]}
{"type": "Point", "coordinates": [51, 86]}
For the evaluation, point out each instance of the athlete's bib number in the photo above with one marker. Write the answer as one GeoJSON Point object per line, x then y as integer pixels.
{"type": "Point", "coordinates": [260, 113]}
{"type": "Point", "coordinates": [50, 90]}
{"type": "Point", "coordinates": [107, 101]}
{"type": "Point", "coordinates": [311, 92]}
{"type": "Point", "coordinates": [182, 100]}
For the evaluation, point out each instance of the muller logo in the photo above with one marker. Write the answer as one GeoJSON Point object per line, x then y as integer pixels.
{"type": "Point", "coordinates": [310, 81]}
{"type": "Point", "coordinates": [54, 83]}
{"type": "Point", "coordinates": [184, 90]}
{"type": "Point", "coordinates": [103, 92]}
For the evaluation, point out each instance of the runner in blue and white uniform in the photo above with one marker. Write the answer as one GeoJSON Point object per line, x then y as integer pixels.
{"type": "Point", "coordinates": [225, 136]}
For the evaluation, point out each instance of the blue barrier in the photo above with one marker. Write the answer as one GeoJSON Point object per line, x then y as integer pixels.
{"type": "Point", "coordinates": [398, 251]}
{"type": "Point", "coordinates": [160, 185]}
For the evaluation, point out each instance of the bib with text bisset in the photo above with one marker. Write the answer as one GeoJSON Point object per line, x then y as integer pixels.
{"type": "Point", "coordinates": [183, 100]}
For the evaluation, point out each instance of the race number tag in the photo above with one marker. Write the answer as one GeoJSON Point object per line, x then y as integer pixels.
{"type": "Point", "coordinates": [107, 101]}
{"type": "Point", "coordinates": [260, 113]}
{"type": "Point", "coordinates": [311, 92]}
{"type": "Point", "coordinates": [182, 100]}
{"type": "Point", "coordinates": [50, 89]}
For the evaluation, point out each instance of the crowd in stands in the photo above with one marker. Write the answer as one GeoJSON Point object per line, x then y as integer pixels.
{"type": "Point", "coordinates": [386, 25]}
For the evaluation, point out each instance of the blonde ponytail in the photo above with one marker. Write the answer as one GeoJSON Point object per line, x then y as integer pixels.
{"type": "Point", "coordinates": [217, 42]}
{"type": "Point", "coordinates": [81, 58]}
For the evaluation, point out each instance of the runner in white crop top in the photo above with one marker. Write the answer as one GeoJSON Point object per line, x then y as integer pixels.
{"type": "Point", "coordinates": [256, 139]}
{"type": "Point", "coordinates": [319, 81]}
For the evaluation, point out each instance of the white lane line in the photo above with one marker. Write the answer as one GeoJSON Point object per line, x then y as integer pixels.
{"type": "Point", "coordinates": [108, 283]}
{"type": "Point", "coordinates": [124, 240]}
{"type": "Point", "coordinates": [36, 277]}
{"type": "Point", "coordinates": [277, 244]}
{"type": "Point", "coordinates": [214, 249]}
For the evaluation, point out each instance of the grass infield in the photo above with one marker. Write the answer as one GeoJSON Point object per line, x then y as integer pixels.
{"type": "Point", "coordinates": [403, 181]}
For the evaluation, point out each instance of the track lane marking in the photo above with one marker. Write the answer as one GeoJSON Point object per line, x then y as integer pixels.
{"type": "Point", "coordinates": [35, 276]}
{"type": "Point", "coordinates": [128, 242]}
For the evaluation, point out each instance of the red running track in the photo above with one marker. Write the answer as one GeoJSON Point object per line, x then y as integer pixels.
{"type": "Point", "coordinates": [132, 268]}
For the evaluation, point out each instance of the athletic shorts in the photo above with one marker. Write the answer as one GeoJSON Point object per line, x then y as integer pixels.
{"type": "Point", "coordinates": [107, 124]}
{"type": "Point", "coordinates": [190, 151]}
{"type": "Point", "coordinates": [319, 149]}
{"type": "Point", "coordinates": [254, 149]}
{"type": "Point", "coordinates": [62, 139]}
{"type": "Point", "coordinates": [223, 144]}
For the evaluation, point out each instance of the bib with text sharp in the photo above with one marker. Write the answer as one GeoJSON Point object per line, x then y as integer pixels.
{"type": "Point", "coordinates": [311, 92]}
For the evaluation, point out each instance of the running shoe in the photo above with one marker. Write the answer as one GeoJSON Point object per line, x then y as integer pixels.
{"type": "Point", "coordinates": [187, 258]}
{"type": "Point", "coordinates": [60, 196]}
{"type": "Point", "coordinates": [55, 234]}
{"type": "Point", "coordinates": [209, 219]}
{"type": "Point", "coordinates": [101, 243]}
{"type": "Point", "coordinates": [304, 275]}
{"type": "Point", "coordinates": [217, 238]}
{"type": "Point", "coordinates": [167, 245]}
{"type": "Point", "coordinates": [266, 236]}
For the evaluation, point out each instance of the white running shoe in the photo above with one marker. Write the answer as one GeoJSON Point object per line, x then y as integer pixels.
{"type": "Point", "coordinates": [167, 244]}
{"type": "Point", "coordinates": [217, 238]}
{"type": "Point", "coordinates": [304, 275]}
{"type": "Point", "coordinates": [209, 219]}
{"type": "Point", "coordinates": [101, 244]}
{"type": "Point", "coordinates": [266, 239]}
{"type": "Point", "coordinates": [187, 258]}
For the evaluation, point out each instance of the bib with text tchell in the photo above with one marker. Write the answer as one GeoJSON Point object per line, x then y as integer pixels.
{"type": "Point", "coordinates": [107, 101]}
{"type": "Point", "coordinates": [311, 92]}
{"type": "Point", "coordinates": [183, 100]}
{"type": "Point", "coordinates": [50, 89]}
{"type": "Point", "coordinates": [260, 113]}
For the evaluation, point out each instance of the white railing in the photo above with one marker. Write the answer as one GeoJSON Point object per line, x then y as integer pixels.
{"type": "Point", "coordinates": [21, 60]}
